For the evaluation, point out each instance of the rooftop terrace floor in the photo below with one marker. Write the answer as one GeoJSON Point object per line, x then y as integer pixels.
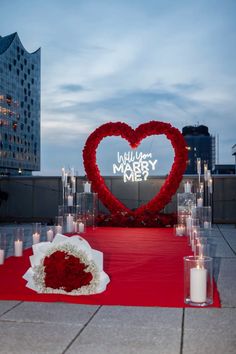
{"type": "Point", "coordinates": [33, 327]}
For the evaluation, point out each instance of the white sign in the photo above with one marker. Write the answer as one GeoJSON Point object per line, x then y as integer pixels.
{"type": "Point", "coordinates": [134, 166]}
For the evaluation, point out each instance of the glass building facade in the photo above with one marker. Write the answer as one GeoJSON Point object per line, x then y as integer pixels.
{"type": "Point", "coordinates": [19, 108]}
{"type": "Point", "coordinates": [200, 144]}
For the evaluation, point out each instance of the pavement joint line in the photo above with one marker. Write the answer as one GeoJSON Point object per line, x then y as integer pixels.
{"type": "Point", "coordinates": [227, 241]}
{"type": "Point", "coordinates": [13, 307]}
{"type": "Point", "coordinates": [182, 332]}
{"type": "Point", "coordinates": [81, 330]}
{"type": "Point", "coordinates": [34, 322]}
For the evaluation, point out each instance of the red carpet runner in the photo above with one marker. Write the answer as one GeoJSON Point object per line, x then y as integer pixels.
{"type": "Point", "coordinates": [145, 267]}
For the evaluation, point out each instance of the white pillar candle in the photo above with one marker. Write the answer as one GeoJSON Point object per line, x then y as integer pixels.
{"type": "Point", "coordinates": [58, 229]}
{"type": "Point", "coordinates": [70, 200]}
{"type": "Point", "coordinates": [198, 284]}
{"type": "Point", "coordinates": [199, 202]}
{"type": "Point", "coordinates": [18, 248]}
{"type": "Point", "coordinates": [1, 256]}
{"type": "Point", "coordinates": [199, 166]}
{"type": "Point", "coordinates": [63, 174]}
{"type": "Point", "coordinates": [201, 187]}
{"type": "Point", "coordinates": [180, 230]}
{"type": "Point", "coordinates": [87, 187]}
{"type": "Point", "coordinates": [36, 238]}
{"type": "Point", "coordinates": [205, 171]}
{"type": "Point", "coordinates": [69, 223]}
{"type": "Point", "coordinates": [206, 224]}
{"type": "Point", "coordinates": [74, 226]}
{"type": "Point", "coordinates": [208, 174]}
{"type": "Point", "coordinates": [73, 185]}
{"type": "Point", "coordinates": [187, 187]}
{"type": "Point", "coordinates": [81, 227]}
{"type": "Point", "coordinates": [65, 179]}
{"type": "Point", "coordinates": [50, 235]}
{"type": "Point", "coordinates": [209, 184]}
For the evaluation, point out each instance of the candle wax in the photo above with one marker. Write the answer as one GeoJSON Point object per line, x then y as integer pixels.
{"type": "Point", "coordinates": [36, 238]}
{"type": "Point", "coordinates": [50, 235]}
{"type": "Point", "coordinates": [18, 247]}
{"type": "Point", "coordinates": [81, 227]}
{"type": "Point", "coordinates": [198, 285]}
{"type": "Point", "coordinates": [1, 256]}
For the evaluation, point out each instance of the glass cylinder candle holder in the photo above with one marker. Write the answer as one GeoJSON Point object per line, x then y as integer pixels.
{"type": "Point", "coordinates": [2, 246]}
{"type": "Point", "coordinates": [185, 201]}
{"type": "Point", "coordinates": [18, 241]}
{"type": "Point", "coordinates": [36, 232]}
{"type": "Point", "coordinates": [87, 187]}
{"type": "Point", "coordinates": [58, 227]}
{"type": "Point", "coordinates": [50, 233]}
{"type": "Point", "coordinates": [61, 210]}
{"type": "Point", "coordinates": [69, 223]}
{"type": "Point", "coordinates": [81, 223]}
{"type": "Point", "coordinates": [187, 186]}
{"type": "Point", "coordinates": [189, 223]}
{"type": "Point", "coordinates": [70, 200]}
{"type": "Point", "coordinates": [204, 215]}
{"type": "Point", "coordinates": [180, 230]}
{"type": "Point", "coordinates": [195, 232]}
{"type": "Point", "coordinates": [202, 249]}
{"type": "Point", "coordinates": [198, 281]}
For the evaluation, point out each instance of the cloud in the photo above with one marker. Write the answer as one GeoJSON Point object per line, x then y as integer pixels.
{"type": "Point", "coordinates": [71, 88]}
{"type": "Point", "coordinates": [113, 61]}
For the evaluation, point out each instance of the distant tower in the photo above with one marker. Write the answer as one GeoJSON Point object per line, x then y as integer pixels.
{"type": "Point", "coordinates": [234, 154]}
{"type": "Point", "coordinates": [200, 144]}
{"type": "Point", "coordinates": [19, 107]}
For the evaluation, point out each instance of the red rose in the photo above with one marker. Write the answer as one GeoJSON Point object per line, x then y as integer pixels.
{"type": "Point", "coordinates": [65, 271]}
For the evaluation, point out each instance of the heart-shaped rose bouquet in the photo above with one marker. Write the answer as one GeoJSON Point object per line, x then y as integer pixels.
{"type": "Point", "coordinates": [134, 138]}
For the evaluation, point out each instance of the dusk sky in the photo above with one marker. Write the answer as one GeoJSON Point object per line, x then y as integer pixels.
{"type": "Point", "coordinates": [131, 61]}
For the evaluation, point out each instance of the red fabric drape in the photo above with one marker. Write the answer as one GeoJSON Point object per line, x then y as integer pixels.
{"type": "Point", "coordinates": [145, 266]}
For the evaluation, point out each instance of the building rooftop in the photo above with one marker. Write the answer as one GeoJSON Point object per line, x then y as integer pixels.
{"type": "Point", "coordinates": [6, 41]}
{"type": "Point", "coordinates": [195, 130]}
{"type": "Point", "coordinates": [234, 149]}
{"type": "Point", "coordinates": [34, 327]}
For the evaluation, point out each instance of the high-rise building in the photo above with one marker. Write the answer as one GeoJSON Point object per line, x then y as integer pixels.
{"type": "Point", "coordinates": [19, 107]}
{"type": "Point", "coordinates": [200, 145]}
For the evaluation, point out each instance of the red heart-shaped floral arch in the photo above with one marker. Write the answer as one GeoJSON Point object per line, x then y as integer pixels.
{"type": "Point", "coordinates": [134, 137]}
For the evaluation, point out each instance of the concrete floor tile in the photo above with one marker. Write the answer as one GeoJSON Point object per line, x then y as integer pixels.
{"type": "Point", "coordinates": [36, 338]}
{"type": "Point", "coordinates": [150, 317]}
{"type": "Point", "coordinates": [209, 331]}
{"type": "Point", "coordinates": [6, 306]}
{"type": "Point", "coordinates": [220, 248]}
{"type": "Point", "coordinates": [231, 240]}
{"type": "Point", "coordinates": [51, 312]}
{"type": "Point", "coordinates": [226, 282]}
{"type": "Point", "coordinates": [226, 226]}
{"type": "Point", "coordinates": [126, 340]}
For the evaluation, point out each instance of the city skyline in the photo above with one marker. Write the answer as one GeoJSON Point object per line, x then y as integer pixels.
{"type": "Point", "coordinates": [128, 61]}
